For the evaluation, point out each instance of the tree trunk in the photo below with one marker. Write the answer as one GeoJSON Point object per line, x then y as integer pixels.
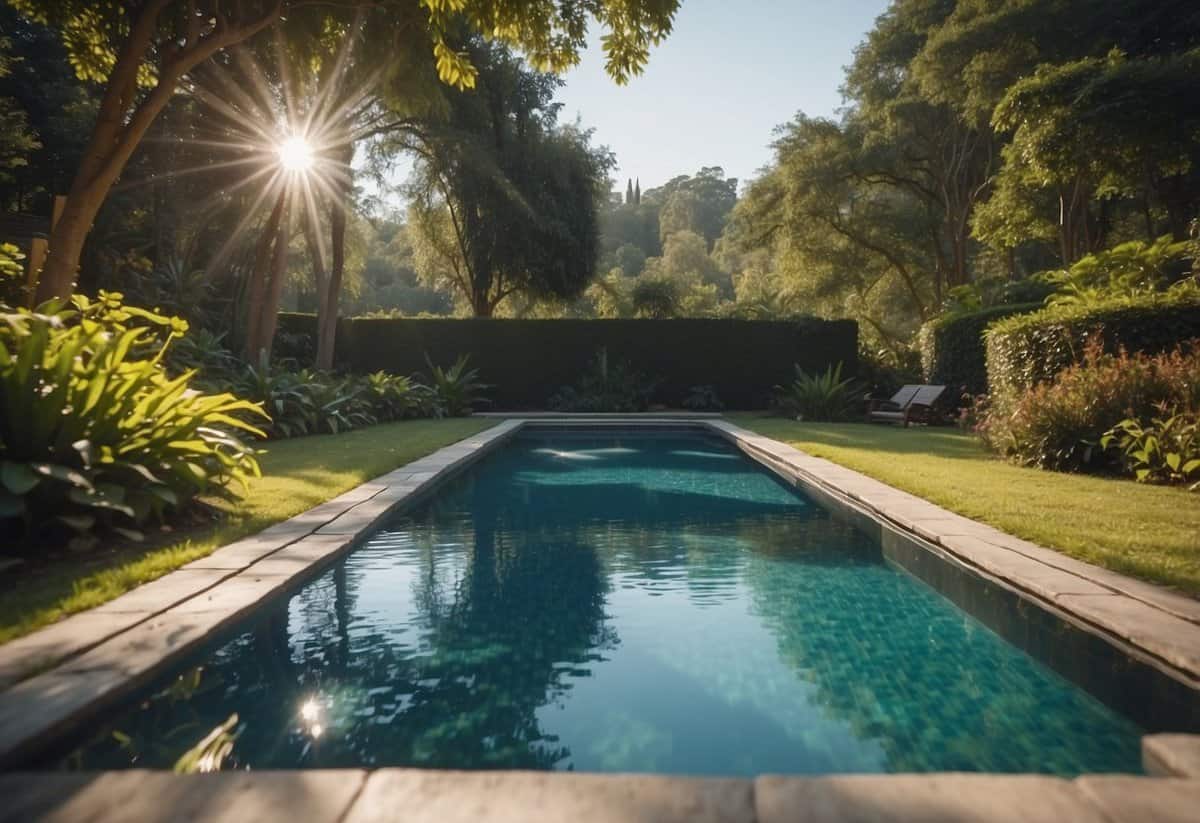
{"type": "Point", "coordinates": [327, 319]}
{"type": "Point", "coordinates": [256, 292]}
{"type": "Point", "coordinates": [269, 316]}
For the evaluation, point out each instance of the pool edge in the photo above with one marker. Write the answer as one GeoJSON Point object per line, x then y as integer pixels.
{"type": "Point", "coordinates": [135, 636]}
{"type": "Point", "coordinates": [426, 796]}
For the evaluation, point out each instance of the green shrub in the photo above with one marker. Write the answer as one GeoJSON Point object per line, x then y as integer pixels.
{"type": "Point", "coordinates": [12, 275]}
{"type": "Point", "coordinates": [1059, 424]}
{"type": "Point", "coordinates": [994, 292]}
{"type": "Point", "coordinates": [952, 347]}
{"type": "Point", "coordinates": [395, 397]}
{"type": "Point", "coordinates": [607, 386]}
{"type": "Point", "coordinates": [1028, 349]}
{"type": "Point", "coordinates": [1161, 451]}
{"type": "Point", "coordinates": [456, 390]}
{"type": "Point", "coordinates": [820, 397]}
{"type": "Point", "coordinates": [94, 434]}
{"type": "Point", "coordinates": [1130, 270]}
{"type": "Point", "coordinates": [286, 399]}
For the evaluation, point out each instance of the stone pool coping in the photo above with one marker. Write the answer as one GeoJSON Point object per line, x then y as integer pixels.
{"type": "Point", "coordinates": [430, 796]}
{"type": "Point", "coordinates": [61, 675]}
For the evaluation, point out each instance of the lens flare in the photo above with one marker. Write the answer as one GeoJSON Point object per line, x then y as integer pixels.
{"type": "Point", "coordinates": [295, 154]}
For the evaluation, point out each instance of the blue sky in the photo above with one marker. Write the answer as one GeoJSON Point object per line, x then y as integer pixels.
{"type": "Point", "coordinates": [726, 77]}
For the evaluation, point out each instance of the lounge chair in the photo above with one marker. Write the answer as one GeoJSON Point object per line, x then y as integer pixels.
{"type": "Point", "coordinates": [912, 404]}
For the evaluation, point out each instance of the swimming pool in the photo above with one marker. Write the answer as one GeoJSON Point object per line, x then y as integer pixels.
{"type": "Point", "coordinates": [618, 602]}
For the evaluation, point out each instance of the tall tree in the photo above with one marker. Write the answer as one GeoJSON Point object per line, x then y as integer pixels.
{"type": "Point", "coordinates": [505, 197]}
{"type": "Point", "coordinates": [142, 50]}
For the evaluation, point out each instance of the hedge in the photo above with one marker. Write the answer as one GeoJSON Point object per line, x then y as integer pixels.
{"type": "Point", "coordinates": [526, 361]}
{"type": "Point", "coordinates": [1028, 349]}
{"type": "Point", "coordinates": [952, 348]}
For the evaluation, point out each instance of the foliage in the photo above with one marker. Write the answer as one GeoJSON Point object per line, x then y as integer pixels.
{"type": "Point", "coordinates": [741, 359]}
{"type": "Point", "coordinates": [1161, 451]}
{"type": "Point", "coordinates": [12, 275]}
{"type": "Point", "coordinates": [882, 371]}
{"type": "Point", "coordinates": [1059, 424]}
{"type": "Point", "coordinates": [455, 390]}
{"type": "Point", "coordinates": [1130, 270]}
{"type": "Point", "coordinates": [698, 203]}
{"type": "Point", "coordinates": [655, 298]}
{"type": "Point", "coordinates": [823, 397]}
{"type": "Point", "coordinates": [204, 352]}
{"type": "Point", "coordinates": [1025, 350]}
{"type": "Point", "coordinates": [296, 475]}
{"type": "Point", "coordinates": [396, 397]}
{"type": "Point", "coordinates": [703, 398]}
{"type": "Point", "coordinates": [504, 198]}
{"type": "Point", "coordinates": [211, 751]}
{"type": "Point", "coordinates": [94, 434]}
{"type": "Point", "coordinates": [952, 347]}
{"type": "Point", "coordinates": [993, 292]}
{"type": "Point", "coordinates": [17, 139]}
{"type": "Point", "coordinates": [607, 386]}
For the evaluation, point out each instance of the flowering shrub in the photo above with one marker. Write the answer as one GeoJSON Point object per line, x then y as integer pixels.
{"type": "Point", "coordinates": [1059, 424]}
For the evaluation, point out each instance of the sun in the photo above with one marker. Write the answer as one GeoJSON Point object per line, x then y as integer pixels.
{"type": "Point", "coordinates": [295, 154]}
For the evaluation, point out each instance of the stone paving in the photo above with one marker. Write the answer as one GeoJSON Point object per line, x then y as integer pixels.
{"type": "Point", "coordinates": [61, 675]}
{"type": "Point", "coordinates": [430, 796]}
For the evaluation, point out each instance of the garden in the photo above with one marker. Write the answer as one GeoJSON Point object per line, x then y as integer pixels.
{"type": "Point", "coordinates": [172, 382]}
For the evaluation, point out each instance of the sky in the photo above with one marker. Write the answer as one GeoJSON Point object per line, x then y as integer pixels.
{"type": "Point", "coordinates": [714, 91]}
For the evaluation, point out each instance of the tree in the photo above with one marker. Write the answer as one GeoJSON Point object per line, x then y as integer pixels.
{"type": "Point", "coordinates": [17, 140]}
{"type": "Point", "coordinates": [698, 204]}
{"type": "Point", "coordinates": [1114, 123]}
{"type": "Point", "coordinates": [142, 51]}
{"type": "Point", "coordinates": [506, 198]}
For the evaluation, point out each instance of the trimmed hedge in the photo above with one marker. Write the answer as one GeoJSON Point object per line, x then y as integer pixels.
{"type": "Point", "coordinates": [526, 361]}
{"type": "Point", "coordinates": [1025, 350]}
{"type": "Point", "coordinates": [952, 347]}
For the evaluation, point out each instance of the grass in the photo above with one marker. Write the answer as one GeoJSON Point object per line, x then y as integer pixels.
{"type": "Point", "coordinates": [297, 475]}
{"type": "Point", "coordinates": [1151, 532]}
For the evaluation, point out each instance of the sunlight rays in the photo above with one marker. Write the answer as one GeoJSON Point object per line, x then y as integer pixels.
{"type": "Point", "coordinates": [283, 130]}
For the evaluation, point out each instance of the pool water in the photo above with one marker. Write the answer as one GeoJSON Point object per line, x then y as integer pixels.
{"type": "Point", "coordinates": [619, 603]}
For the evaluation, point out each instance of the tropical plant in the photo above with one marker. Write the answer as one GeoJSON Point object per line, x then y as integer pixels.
{"type": "Point", "coordinates": [608, 386]}
{"type": "Point", "coordinates": [12, 274]}
{"type": "Point", "coordinates": [335, 405]}
{"type": "Point", "coordinates": [94, 434]}
{"type": "Point", "coordinates": [395, 397]}
{"type": "Point", "coordinates": [1129, 270]}
{"type": "Point", "coordinates": [204, 352]}
{"type": "Point", "coordinates": [1161, 451]}
{"type": "Point", "coordinates": [456, 390]}
{"type": "Point", "coordinates": [823, 397]}
{"type": "Point", "coordinates": [285, 399]}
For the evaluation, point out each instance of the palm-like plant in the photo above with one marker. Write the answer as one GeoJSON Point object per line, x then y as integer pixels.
{"type": "Point", "coordinates": [457, 389]}
{"type": "Point", "coordinates": [823, 397]}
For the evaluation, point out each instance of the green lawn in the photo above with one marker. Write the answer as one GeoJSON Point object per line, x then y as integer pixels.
{"type": "Point", "coordinates": [297, 475]}
{"type": "Point", "coordinates": [1150, 532]}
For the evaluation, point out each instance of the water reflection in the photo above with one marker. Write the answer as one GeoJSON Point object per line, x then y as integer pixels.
{"type": "Point", "coordinates": [624, 605]}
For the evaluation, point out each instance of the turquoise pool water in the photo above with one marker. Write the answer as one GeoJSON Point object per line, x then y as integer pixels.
{"type": "Point", "coordinates": [619, 603]}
